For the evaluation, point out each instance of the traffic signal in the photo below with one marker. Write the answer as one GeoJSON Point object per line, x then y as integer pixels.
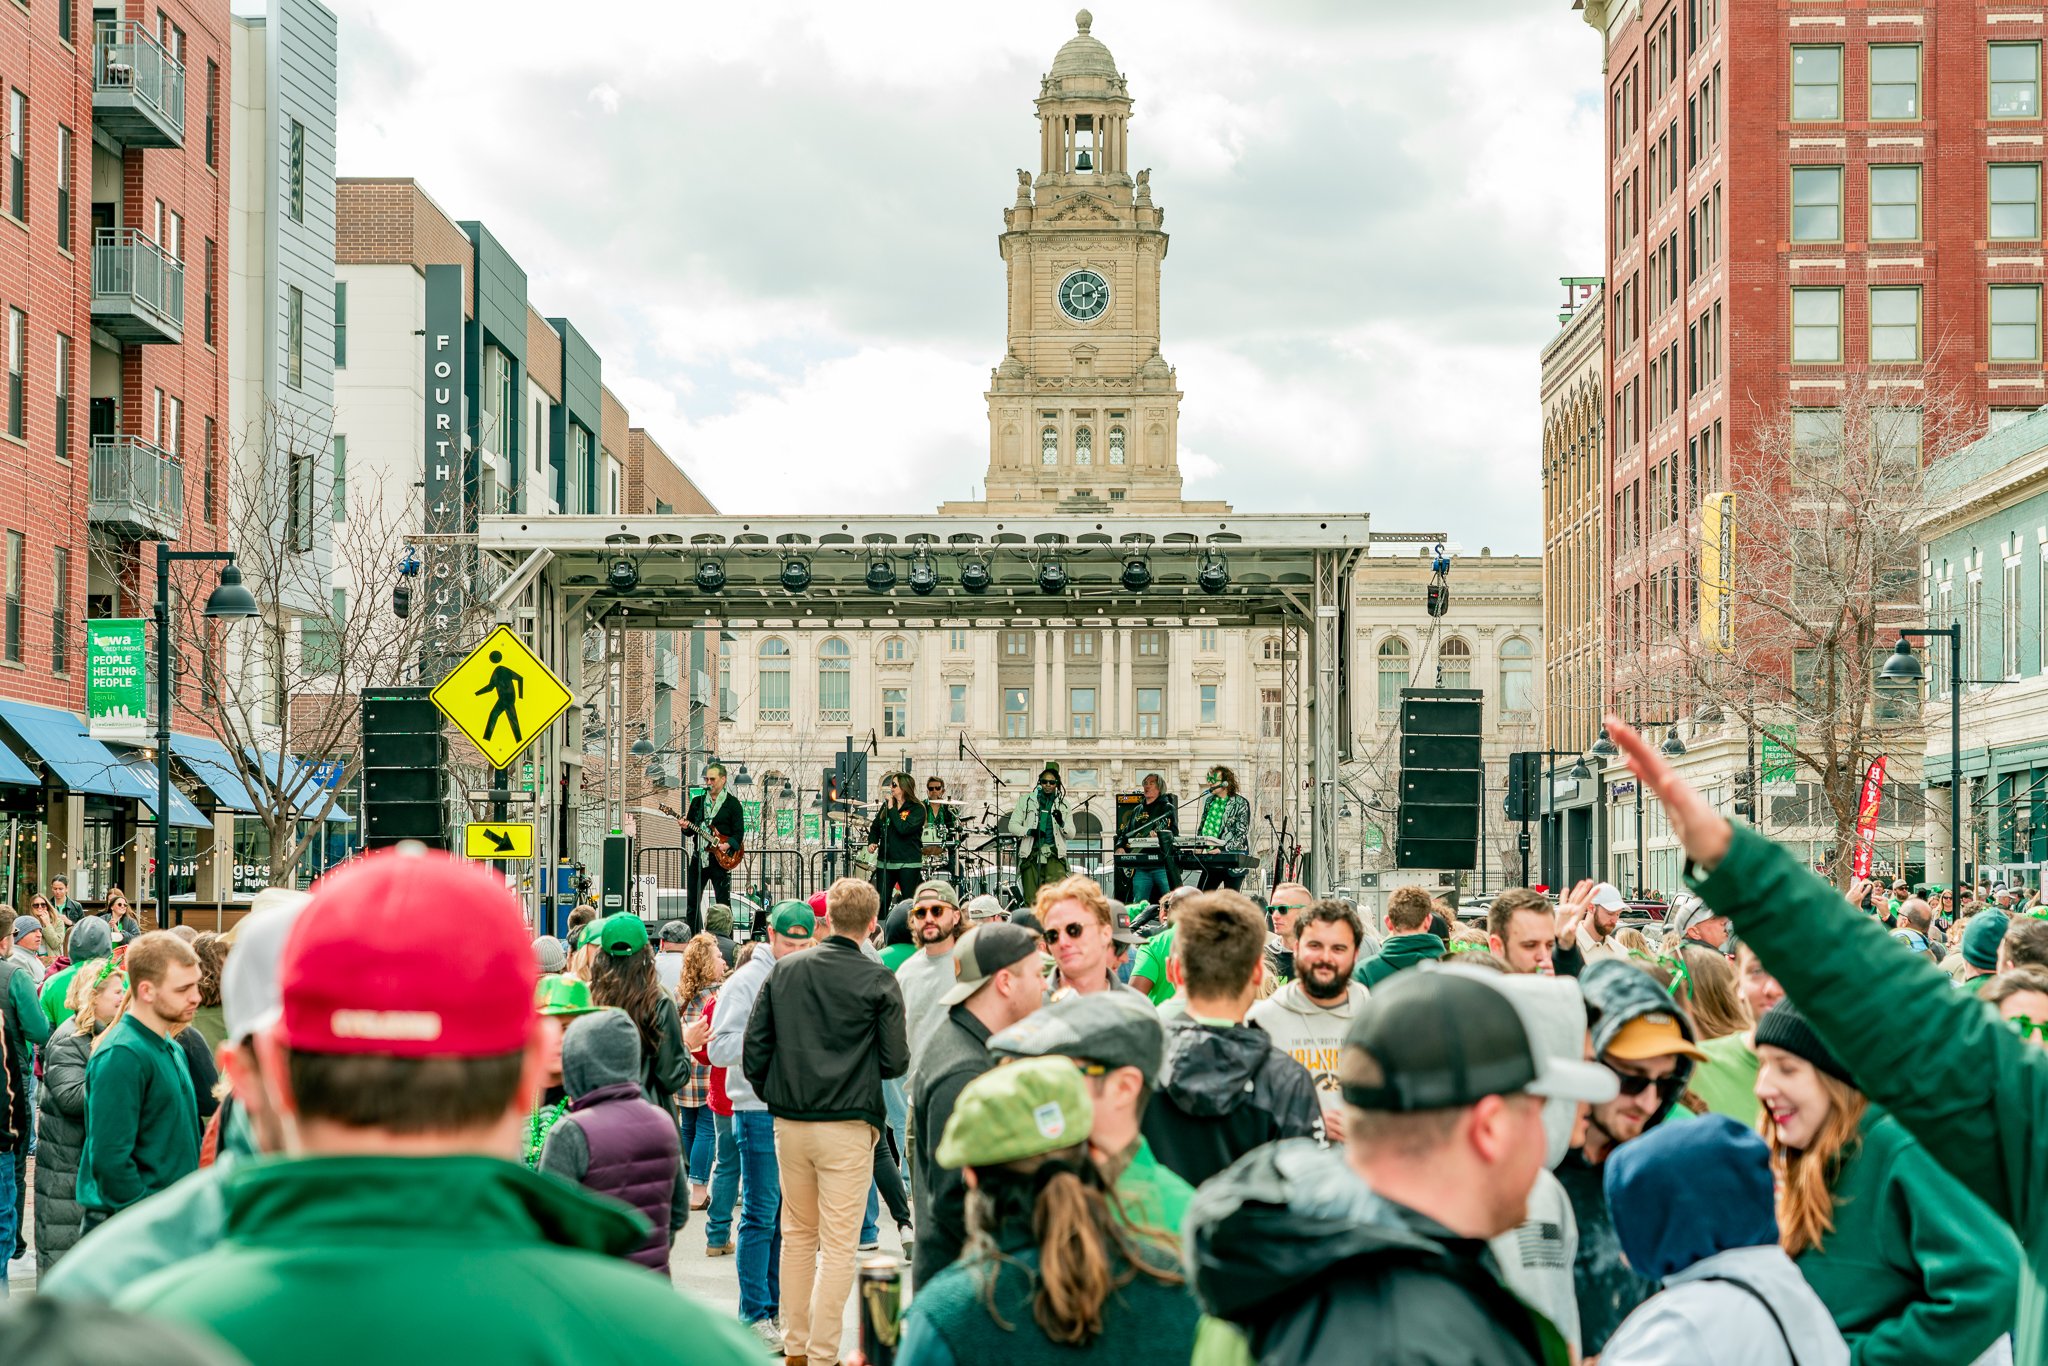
{"type": "Point", "coordinates": [1524, 801]}
{"type": "Point", "coordinates": [1745, 793]}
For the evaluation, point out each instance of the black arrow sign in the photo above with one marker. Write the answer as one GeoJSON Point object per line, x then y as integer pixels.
{"type": "Point", "coordinates": [499, 841]}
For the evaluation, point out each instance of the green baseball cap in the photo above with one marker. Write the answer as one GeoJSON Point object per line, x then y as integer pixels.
{"type": "Point", "coordinates": [622, 935]}
{"type": "Point", "coordinates": [1024, 1109]}
{"type": "Point", "coordinates": [793, 920]}
{"type": "Point", "coordinates": [562, 994]}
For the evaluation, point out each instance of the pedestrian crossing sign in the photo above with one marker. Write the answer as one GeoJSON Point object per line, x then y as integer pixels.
{"type": "Point", "coordinates": [502, 697]}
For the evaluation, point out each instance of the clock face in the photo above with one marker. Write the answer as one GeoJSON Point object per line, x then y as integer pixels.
{"type": "Point", "coordinates": [1083, 296]}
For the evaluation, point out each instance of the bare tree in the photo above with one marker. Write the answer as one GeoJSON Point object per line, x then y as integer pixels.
{"type": "Point", "coordinates": [1825, 569]}
{"type": "Point", "coordinates": [289, 682]}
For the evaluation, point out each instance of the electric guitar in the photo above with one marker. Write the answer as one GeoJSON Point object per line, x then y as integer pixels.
{"type": "Point", "coordinates": [722, 851]}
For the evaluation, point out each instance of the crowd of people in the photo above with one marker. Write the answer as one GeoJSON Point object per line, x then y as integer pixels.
{"type": "Point", "coordinates": [1278, 1131]}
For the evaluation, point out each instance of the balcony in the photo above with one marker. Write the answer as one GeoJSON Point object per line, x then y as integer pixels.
{"type": "Point", "coordinates": [137, 492]}
{"type": "Point", "coordinates": [138, 293]}
{"type": "Point", "coordinates": [138, 89]}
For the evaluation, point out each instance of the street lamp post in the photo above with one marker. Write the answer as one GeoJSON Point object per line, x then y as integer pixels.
{"type": "Point", "coordinates": [1902, 667]}
{"type": "Point", "coordinates": [230, 601]}
{"type": "Point", "coordinates": [1549, 789]}
{"type": "Point", "coordinates": [1673, 748]}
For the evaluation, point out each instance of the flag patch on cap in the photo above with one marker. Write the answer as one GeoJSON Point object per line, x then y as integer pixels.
{"type": "Point", "coordinates": [1051, 1120]}
{"type": "Point", "coordinates": [417, 1025]}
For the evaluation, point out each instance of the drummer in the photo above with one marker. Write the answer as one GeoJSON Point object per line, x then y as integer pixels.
{"type": "Point", "coordinates": [942, 818]}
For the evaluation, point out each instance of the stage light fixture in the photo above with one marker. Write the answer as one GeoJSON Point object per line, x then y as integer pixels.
{"type": "Point", "coordinates": [623, 575]}
{"type": "Point", "coordinates": [1214, 576]}
{"type": "Point", "coordinates": [881, 575]}
{"type": "Point", "coordinates": [974, 574]}
{"type": "Point", "coordinates": [924, 577]}
{"type": "Point", "coordinates": [710, 574]}
{"type": "Point", "coordinates": [1052, 577]}
{"type": "Point", "coordinates": [1137, 574]}
{"type": "Point", "coordinates": [796, 573]}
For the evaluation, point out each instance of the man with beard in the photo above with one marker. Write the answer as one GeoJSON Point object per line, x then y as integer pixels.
{"type": "Point", "coordinates": [1308, 1017]}
{"type": "Point", "coordinates": [1602, 919]}
{"type": "Point", "coordinates": [1521, 929]}
{"type": "Point", "coordinates": [141, 1116]}
{"type": "Point", "coordinates": [1649, 1047]}
{"type": "Point", "coordinates": [927, 975]}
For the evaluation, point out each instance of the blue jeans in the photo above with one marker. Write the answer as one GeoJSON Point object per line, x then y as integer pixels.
{"type": "Point", "coordinates": [1149, 885]}
{"type": "Point", "coordinates": [725, 1182]}
{"type": "Point", "coordinates": [760, 1251]}
{"type": "Point", "coordinates": [695, 1132]}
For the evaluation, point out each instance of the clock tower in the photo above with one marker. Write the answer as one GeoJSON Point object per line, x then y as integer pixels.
{"type": "Point", "coordinates": [1083, 411]}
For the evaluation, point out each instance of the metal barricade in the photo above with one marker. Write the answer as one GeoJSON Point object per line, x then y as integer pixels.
{"type": "Point", "coordinates": [771, 873]}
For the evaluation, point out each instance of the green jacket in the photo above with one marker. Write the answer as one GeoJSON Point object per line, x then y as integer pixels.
{"type": "Point", "coordinates": [141, 1118]}
{"type": "Point", "coordinates": [1400, 951]}
{"type": "Point", "coordinates": [1982, 1113]}
{"type": "Point", "coordinates": [340, 1261]}
{"type": "Point", "coordinates": [1916, 1268]}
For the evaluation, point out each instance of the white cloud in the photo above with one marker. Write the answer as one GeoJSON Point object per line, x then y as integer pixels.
{"type": "Point", "coordinates": [777, 223]}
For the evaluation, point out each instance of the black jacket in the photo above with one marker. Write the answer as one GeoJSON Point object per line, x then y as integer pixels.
{"type": "Point", "coordinates": [898, 834]}
{"type": "Point", "coordinates": [1318, 1271]}
{"type": "Point", "coordinates": [1222, 1093]}
{"type": "Point", "coordinates": [730, 821]}
{"type": "Point", "coordinates": [825, 1030]}
{"type": "Point", "coordinates": [955, 1054]}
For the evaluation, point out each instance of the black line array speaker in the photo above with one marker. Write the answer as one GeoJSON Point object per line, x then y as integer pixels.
{"type": "Point", "coordinates": [405, 767]}
{"type": "Point", "coordinates": [1443, 779]}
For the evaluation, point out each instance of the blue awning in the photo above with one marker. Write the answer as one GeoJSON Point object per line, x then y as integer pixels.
{"type": "Point", "coordinates": [15, 773]}
{"type": "Point", "coordinates": [78, 761]}
{"type": "Point", "coordinates": [298, 782]}
{"type": "Point", "coordinates": [212, 765]}
{"type": "Point", "coordinates": [183, 813]}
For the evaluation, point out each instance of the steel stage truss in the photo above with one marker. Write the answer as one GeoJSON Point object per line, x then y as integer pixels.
{"type": "Point", "coordinates": [827, 573]}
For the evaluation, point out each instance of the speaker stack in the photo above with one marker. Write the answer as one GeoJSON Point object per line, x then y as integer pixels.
{"type": "Point", "coordinates": [1442, 779]}
{"type": "Point", "coordinates": [405, 763]}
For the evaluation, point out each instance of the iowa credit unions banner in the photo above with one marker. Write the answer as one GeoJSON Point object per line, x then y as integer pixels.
{"type": "Point", "coordinates": [1867, 804]}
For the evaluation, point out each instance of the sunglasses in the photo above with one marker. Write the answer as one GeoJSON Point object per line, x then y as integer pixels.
{"type": "Point", "coordinates": [927, 912]}
{"type": "Point", "coordinates": [1632, 1085]}
{"type": "Point", "coordinates": [2029, 1028]}
{"type": "Point", "coordinates": [1074, 930]}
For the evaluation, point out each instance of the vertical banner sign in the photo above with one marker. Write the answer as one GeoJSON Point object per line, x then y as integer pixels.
{"type": "Point", "coordinates": [446, 587]}
{"type": "Point", "coordinates": [1780, 769]}
{"type": "Point", "coordinates": [812, 827]}
{"type": "Point", "coordinates": [750, 819]}
{"type": "Point", "coordinates": [117, 681]}
{"type": "Point", "coordinates": [785, 823]}
{"type": "Point", "coordinates": [1717, 572]}
{"type": "Point", "coordinates": [1867, 805]}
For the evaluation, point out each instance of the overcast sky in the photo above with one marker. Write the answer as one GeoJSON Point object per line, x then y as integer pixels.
{"type": "Point", "coordinates": [777, 223]}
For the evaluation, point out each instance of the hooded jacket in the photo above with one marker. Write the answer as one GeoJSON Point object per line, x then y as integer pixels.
{"type": "Point", "coordinates": [1224, 1090]}
{"type": "Point", "coordinates": [1692, 1206]}
{"type": "Point", "coordinates": [1400, 951]}
{"type": "Point", "coordinates": [60, 1129]}
{"type": "Point", "coordinates": [1311, 1034]}
{"type": "Point", "coordinates": [1608, 1289]}
{"type": "Point", "coordinates": [612, 1140]}
{"type": "Point", "coordinates": [718, 924]}
{"type": "Point", "coordinates": [1318, 1271]}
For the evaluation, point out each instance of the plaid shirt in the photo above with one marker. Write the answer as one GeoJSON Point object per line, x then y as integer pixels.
{"type": "Point", "coordinates": [697, 1090]}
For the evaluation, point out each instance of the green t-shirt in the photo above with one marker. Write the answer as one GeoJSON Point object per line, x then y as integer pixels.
{"type": "Point", "coordinates": [1727, 1080]}
{"type": "Point", "coordinates": [1151, 965]}
{"type": "Point", "coordinates": [895, 955]}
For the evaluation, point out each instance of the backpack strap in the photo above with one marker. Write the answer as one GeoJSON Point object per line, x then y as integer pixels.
{"type": "Point", "coordinates": [1769, 1308]}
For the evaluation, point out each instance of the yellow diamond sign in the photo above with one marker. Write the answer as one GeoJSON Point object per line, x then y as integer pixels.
{"type": "Point", "coordinates": [501, 697]}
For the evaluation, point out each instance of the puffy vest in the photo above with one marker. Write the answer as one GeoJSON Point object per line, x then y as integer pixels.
{"type": "Point", "coordinates": [634, 1157]}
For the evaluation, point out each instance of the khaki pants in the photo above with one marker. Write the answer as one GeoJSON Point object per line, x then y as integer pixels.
{"type": "Point", "coordinates": [826, 1169]}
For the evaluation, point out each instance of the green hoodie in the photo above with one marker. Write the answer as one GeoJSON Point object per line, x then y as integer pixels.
{"type": "Point", "coordinates": [1400, 951]}
{"type": "Point", "coordinates": [338, 1261]}
{"type": "Point", "coordinates": [1982, 1114]}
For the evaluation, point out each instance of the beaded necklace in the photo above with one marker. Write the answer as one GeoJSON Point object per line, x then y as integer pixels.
{"type": "Point", "coordinates": [537, 1128]}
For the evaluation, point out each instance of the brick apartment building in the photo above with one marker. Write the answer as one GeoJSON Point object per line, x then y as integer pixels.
{"type": "Point", "coordinates": [114, 220]}
{"type": "Point", "coordinates": [1798, 195]}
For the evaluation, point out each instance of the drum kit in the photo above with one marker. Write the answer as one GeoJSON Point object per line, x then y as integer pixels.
{"type": "Point", "coordinates": [971, 875]}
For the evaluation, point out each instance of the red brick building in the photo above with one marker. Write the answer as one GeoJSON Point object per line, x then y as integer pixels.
{"type": "Point", "coordinates": [113, 234]}
{"type": "Point", "coordinates": [1798, 193]}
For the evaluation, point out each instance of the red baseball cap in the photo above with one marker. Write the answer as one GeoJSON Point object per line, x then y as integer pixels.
{"type": "Point", "coordinates": [408, 953]}
{"type": "Point", "coordinates": [817, 904]}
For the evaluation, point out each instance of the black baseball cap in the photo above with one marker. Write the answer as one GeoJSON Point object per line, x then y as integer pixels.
{"type": "Point", "coordinates": [1108, 1028]}
{"type": "Point", "coordinates": [985, 951]}
{"type": "Point", "coordinates": [1437, 1039]}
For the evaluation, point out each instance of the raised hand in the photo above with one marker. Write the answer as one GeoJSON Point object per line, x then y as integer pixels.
{"type": "Point", "coordinates": [1571, 911]}
{"type": "Point", "coordinates": [1703, 832]}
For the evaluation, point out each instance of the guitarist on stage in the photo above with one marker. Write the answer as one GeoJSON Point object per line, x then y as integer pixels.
{"type": "Point", "coordinates": [713, 817]}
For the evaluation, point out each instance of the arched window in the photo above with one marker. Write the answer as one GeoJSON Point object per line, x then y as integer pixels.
{"type": "Point", "coordinates": [773, 689]}
{"type": "Point", "coordinates": [1454, 658]}
{"type": "Point", "coordinates": [1517, 676]}
{"type": "Point", "coordinates": [1393, 672]}
{"type": "Point", "coordinates": [1116, 445]}
{"type": "Point", "coordinates": [895, 650]}
{"type": "Point", "coordinates": [1084, 446]}
{"type": "Point", "coordinates": [1049, 446]}
{"type": "Point", "coordinates": [1269, 649]}
{"type": "Point", "coordinates": [835, 680]}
